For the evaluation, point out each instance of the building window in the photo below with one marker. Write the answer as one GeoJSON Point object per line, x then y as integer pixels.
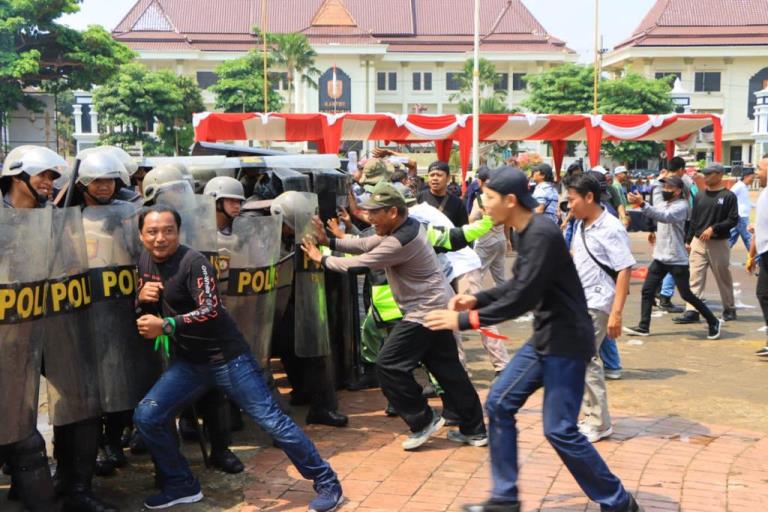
{"type": "Point", "coordinates": [452, 82]}
{"type": "Point", "coordinates": [707, 81]}
{"type": "Point", "coordinates": [205, 79]}
{"type": "Point", "coordinates": [386, 81]}
{"type": "Point", "coordinates": [669, 76]}
{"type": "Point", "coordinates": [422, 81]}
{"type": "Point", "coordinates": [518, 82]}
{"type": "Point", "coordinates": [278, 81]}
{"type": "Point", "coordinates": [502, 82]}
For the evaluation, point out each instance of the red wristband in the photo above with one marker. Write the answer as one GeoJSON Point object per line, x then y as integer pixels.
{"type": "Point", "coordinates": [474, 319]}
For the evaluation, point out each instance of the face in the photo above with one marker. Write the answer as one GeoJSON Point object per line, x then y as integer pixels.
{"type": "Point", "coordinates": [579, 205]}
{"type": "Point", "coordinates": [621, 177]}
{"type": "Point", "coordinates": [762, 171]}
{"type": "Point", "coordinates": [497, 206]}
{"type": "Point", "coordinates": [138, 179]}
{"type": "Point", "coordinates": [42, 183]}
{"type": "Point", "coordinates": [748, 179]}
{"type": "Point", "coordinates": [102, 189]}
{"type": "Point", "coordinates": [160, 235]}
{"type": "Point", "coordinates": [537, 177]}
{"type": "Point", "coordinates": [438, 182]}
{"type": "Point", "coordinates": [383, 220]}
{"type": "Point", "coordinates": [713, 179]}
{"type": "Point", "coordinates": [671, 188]}
{"type": "Point", "coordinates": [231, 206]}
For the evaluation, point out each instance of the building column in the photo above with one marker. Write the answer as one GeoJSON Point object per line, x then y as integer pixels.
{"type": "Point", "coordinates": [94, 119]}
{"type": "Point", "coordinates": [648, 68]}
{"type": "Point", "coordinates": [77, 113]}
{"type": "Point", "coordinates": [439, 78]}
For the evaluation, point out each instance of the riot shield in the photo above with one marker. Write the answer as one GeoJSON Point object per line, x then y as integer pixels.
{"type": "Point", "coordinates": [312, 339]}
{"type": "Point", "coordinates": [332, 189]}
{"type": "Point", "coordinates": [252, 288]}
{"type": "Point", "coordinates": [71, 371]}
{"type": "Point", "coordinates": [198, 217]}
{"type": "Point", "coordinates": [127, 364]}
{"type": "Point", "coordinates": [24, 238]}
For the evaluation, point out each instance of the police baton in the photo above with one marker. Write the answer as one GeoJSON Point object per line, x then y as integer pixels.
{"type": "Point", "coordinates": [71, 185]}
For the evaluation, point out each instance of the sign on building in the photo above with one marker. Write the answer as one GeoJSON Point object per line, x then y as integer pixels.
{"type": "Point", "coordinates": [335, 90]}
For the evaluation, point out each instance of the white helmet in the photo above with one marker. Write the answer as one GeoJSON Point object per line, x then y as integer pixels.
{"type": "Point", "coordinates": [99, 165]}
{"type": "Point", "coordinates": [131, 166]}
{"type": "Point", "coordinates": [224, 187]}
{"type": "Point", "coordinates": [161, 175]}
{"type": "Point", "coordinates": [289, 204]}
{"type": "Point", "coordinates": [33, 160]}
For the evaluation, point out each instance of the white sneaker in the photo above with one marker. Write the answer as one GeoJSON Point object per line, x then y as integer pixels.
{"type": "Point", "coordinates": [417, 439]}
{"type": "Point", "coordinates": [613, 374]}
{"type": "Point", "coordinates": [476, 440]}
{"type": "Point", "coordinates": [593, 434]}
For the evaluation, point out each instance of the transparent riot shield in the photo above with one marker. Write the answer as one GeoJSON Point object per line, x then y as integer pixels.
{"type": "Point", "coordinates": [71, 370]}
{"type": "Point", "coordinates": [311, 312]}
{"type": "Point", "coordinates": [127, 364]}
{"type": "Point", "coordinates": [198, 216]}
{"type": "Point", "coordinates": [252, 287]}
{"type": "Point", "coordinates": [24, 238]}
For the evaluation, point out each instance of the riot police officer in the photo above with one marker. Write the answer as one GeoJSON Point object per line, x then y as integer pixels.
{"type": "Point", "coordinates": [26, 182]}
{"type": "Point", "coordinates": [129, 192]}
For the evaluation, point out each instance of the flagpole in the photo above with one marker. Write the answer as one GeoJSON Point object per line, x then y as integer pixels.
{"type": "Point", "coordinates": [264, 49]}
{"type": "Point", "coordinates": [597, 58]}
{"type": "Point", "coordinates": [475, 98]}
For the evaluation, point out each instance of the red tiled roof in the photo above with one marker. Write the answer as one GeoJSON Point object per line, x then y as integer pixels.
{"type": "Point", "coordinates": [702, 23]}
{"type": "Point", "coordinates": [433, 25]}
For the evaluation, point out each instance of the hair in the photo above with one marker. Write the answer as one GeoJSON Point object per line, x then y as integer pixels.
{"type": "Point", "coordinates": [574, 168]}
{"type": "Point", "coordinates": [159, 209]}
{"type": "Point", "coordinates": [439, 166]}
{"type": "Point", "coordinates": [398, 176]}
{"type": "Point", "coordinates": [583, 184]}
{"type": "Point", "coordinates": [676, 164]}
{"type": "Point", "coordinates": [402, 210]}
{"type": "Point", "coordinates": [548, 175]}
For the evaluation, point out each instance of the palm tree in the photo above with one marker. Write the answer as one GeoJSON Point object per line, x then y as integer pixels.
{"type": "Point", "coordinates": [294, 52]}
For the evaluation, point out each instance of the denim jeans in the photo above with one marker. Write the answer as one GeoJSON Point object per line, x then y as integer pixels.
{"type": "Point", "coordinates": [241, 379]}
{"type": "Point", "coordinates": [562, 378]}
{"type": "Point", "coordinates": [740, 230]}
{"type": "Point", "coordinates": [668, 286]}
{"type": "Point", "coordinates": [609, 353]}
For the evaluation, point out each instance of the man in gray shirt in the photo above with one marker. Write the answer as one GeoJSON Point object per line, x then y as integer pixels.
{"type": "Point", "coordinates": [669, 254]}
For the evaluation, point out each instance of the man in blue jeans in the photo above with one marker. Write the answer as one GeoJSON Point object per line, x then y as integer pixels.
{"type": "Point", "coordinates": [555, 358]}
{"type": "Point", "coordinates": [178, 297]}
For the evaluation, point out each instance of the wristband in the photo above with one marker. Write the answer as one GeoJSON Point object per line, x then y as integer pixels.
{"type": "Point", "coordinates": [474, 319]}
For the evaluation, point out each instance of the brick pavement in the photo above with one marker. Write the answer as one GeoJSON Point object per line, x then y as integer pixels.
{"type": "Point", "coordinates": [669, 463]}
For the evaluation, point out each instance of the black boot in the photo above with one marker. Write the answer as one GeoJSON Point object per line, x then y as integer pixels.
{"type": "Point", "coordinates": [137, 445]}
{"type": "Point", "coordinates": [31, 475]}
{"type": "Point", "coordinates": [62, 452]}
{"type": "Point", "coordinates": [104, 466]}
{"type": "Point", "coordinates": [368, 380]}
{"type": "Point", "coordinates": [666, 304]}
{"type": "Point", "coordinates": [235, 417]}
{"type": "Point", "coordinates": [187, 428]}
{"type": "Point", "coordinates": [80, 497]}
{"type": "Point", "coordinates": [226, 461]}
{"type": "Point", "coordinates": [326, 417]}
{"type": "Point", "coordinates": [689, 317]}
{"type": "Point", "coordinates": [114, 425]}
{"type": "Point", "coordinates": [215, 408]}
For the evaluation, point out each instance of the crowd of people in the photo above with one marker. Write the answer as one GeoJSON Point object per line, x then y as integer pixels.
{"type": "Point", "coordinates": [427, 252]}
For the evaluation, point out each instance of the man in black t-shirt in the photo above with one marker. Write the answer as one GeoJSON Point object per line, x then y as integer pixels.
{"type": "Point", "coordinates": [437, 195]}
{"type": "Point", "coordinates": [178, 297]}
{"type": "Point", "coordinates": [555, 358]}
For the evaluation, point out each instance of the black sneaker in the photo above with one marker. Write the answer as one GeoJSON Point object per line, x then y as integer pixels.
{"type": "Point", "coordinates": [714, 330]}
{"type": "Point", "coordinates": [493, 506]}
{"type": "Point", "coordinates": [637, 331]}
{"type": "Point", "coordinates": [763, 352]}
{"type": "Point", "coordinates": [666, 304]}
{"type": "Point", "coordinates": [632, 506]}
{"type": "Point", "coordinates": [689, 317]}
{"type": "Point", "coordinates": [729, 315]}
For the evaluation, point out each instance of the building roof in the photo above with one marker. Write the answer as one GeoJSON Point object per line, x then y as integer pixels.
{"type": "Point", "coordinates": [702, 23]}
{"type": "Point", "coordinates": [404, 25]}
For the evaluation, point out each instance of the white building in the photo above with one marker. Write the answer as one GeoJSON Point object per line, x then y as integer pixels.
{"type": "Point", "coordinates": [398, 56]}
{"type": "Point", "coordinates": [719, 51]}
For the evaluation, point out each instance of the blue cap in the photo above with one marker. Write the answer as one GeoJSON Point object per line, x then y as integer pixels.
{"type": "Point", "coordinates": [511, 180]}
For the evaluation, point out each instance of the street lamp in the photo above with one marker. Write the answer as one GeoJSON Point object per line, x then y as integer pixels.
{"type": "Point", "coordinates": [681, 98]}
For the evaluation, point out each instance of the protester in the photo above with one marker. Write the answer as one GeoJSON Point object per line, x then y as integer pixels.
{"type": "Point", "coordinates": [491, 248]}
{"type": "Point", "coordinates": [670, 256]}
{"type": "Point", "coordinates": [555, 358]}
{"type": "Point", "coordinates": [603, 260]}
{"type": "Point", "coordinates": [715, 212]}
{"type": "Point", "coordinates": [758, 249]}
{"type": "Point", "coordinates": [438, 196]}
{"type": "Point", "coordinates": [546, 193]}
{"type": "Point", "coordinates": [741, 190]}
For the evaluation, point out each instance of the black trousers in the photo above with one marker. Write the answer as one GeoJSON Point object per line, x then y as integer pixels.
{"type": "Point", "coordinates": [762, 286]}
{"type": "Point", "coordinates": [681, 274]}
{"type": "Point", "coordinates": [410, 343]}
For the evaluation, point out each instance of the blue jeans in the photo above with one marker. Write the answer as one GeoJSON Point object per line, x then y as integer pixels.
{"type": "Point", "coordinates": [740, 230]}
{"type": "Point", "coordinates": [668, 286]}
{"type": "Point", "coordinates": [241, 379]}
{"type": "Point", "coordinates": [609, 353]}
{"type": "Point", "coordinates": [562, 378]}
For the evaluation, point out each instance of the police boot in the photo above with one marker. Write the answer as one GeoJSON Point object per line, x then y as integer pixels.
{"type": "Point", "coordinates": [32, 481]}
{"type": "Point", "coordinates": [104, 466]}
{"type": "Point", "coordinates": [187, 428]}
{"type": "Point", "coordinates": [80, 497]}
{"type": "Point", "coordinates": [235, 417]}
{"type": "Point", "coordinates": [114, 425]}
{"type": "Point", "coordinates": [326, 417]}
{"type": "Point", "coordinates": [368, 380]}
{"type": "Point", "coordinates": [216, 417]}
{"type": "Point", "coordinates": [62, 452]}
{"type": "Point", "coordinates": [137, 445]}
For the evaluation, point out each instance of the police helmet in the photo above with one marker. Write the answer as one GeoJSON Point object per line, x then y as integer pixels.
{"type": "Point", "coordinates": [101, 165]}
{"type": "Point", "coordinates": [159, 176]}
{"type": "Point", "coordinates": [131, 166]}
{"type": "Point", "coordinates": [224, 187]}
{"type": "Point", "coordinates": [33, 160]}
{"type": "Point", "coordinates": [290, 204]}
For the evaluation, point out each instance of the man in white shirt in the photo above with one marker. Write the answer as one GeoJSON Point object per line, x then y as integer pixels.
{"type": "Point", "coordinates": [741, 190]}
{"type": "Point", "coordinates": [759, 246]}
{"type": "Point", "coordinates": [603, 260]}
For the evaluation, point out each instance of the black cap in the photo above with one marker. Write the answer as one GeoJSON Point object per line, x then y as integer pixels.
{"type": "Point", "coordinates": [483, 173]}
{"type": "Point", "coordinates": [674, 180]}
{"type": "Point", "coordinates": [747, 171]}
{"type": "Point", "coordinates": [544, 169]}
{"type": "Point", "coordinates": [713, 168]}
{"type": "Point", "coordinates": [511, 180]}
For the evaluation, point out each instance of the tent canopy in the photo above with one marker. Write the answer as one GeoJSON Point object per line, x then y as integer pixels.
{"type": "Point", "coordinates": [328, 130]}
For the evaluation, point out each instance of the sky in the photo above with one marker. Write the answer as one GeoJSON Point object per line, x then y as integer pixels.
{"type": "Point", "coordinates": [569, 20]}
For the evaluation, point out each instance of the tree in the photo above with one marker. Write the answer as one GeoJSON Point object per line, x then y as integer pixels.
{"type": "Point", "coordinates": [491, 100]}
{"type": "Point", "coordinates": [36, 51]}
{"type": "Point", "coordinates": [568, 89]}
{"type": "Point", "coordinates": [65, 127]}
{"type": "Point", "coordinates": [240, 87]}
{"type": "Point", "coordinates": [136, 98]}
{"type": "Point", "coordinates": [294, 52]}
